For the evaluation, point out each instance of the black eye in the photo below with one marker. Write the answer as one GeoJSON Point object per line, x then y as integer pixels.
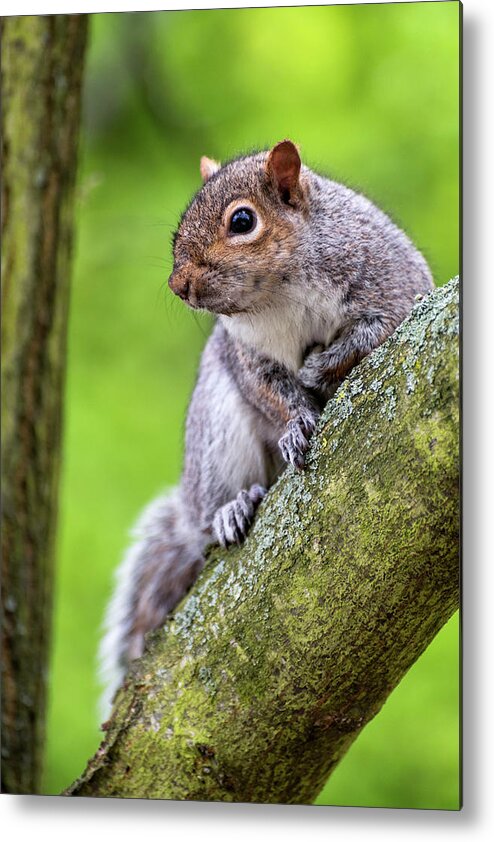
{"type": "Point", "coordinates": [242, 221]}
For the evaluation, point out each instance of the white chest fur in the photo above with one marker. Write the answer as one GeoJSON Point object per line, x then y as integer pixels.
{"type": "Point", "coordinates": [284, 331]}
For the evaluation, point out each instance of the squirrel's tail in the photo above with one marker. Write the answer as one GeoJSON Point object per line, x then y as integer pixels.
{"type": "Point", "coordinates": [154, 575]}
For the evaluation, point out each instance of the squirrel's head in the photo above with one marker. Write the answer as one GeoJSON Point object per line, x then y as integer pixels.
{"type": "Point", "coordinates": [237, 241]}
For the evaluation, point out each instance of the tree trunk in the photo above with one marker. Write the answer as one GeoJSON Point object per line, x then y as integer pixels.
{"type": "Point", "coordinates": [41, 94]}
{"type": "Point", "coordinates": [287, 646]}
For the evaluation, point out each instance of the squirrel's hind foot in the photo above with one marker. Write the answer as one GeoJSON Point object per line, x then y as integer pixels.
{"type": "Point", "coordinates": [232, 522]}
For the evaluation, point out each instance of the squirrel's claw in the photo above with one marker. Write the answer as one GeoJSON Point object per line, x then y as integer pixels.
{"type": "Point", "coordinates": [231, 523]}
{"type": "Point", "coordinates": [294, 444]}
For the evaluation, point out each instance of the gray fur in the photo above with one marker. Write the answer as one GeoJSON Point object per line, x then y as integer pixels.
{"type": "Point", "coordinates": [325, 278]}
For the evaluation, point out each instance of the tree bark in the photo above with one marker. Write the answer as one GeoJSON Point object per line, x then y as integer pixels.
{"type": "Point", "coordinates": [287, 646]}
{"type": "Point", "coordinates": [41, 96]}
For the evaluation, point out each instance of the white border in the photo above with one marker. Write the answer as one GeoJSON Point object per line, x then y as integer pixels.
{"type": "Point", "coordinates": [37, 7]}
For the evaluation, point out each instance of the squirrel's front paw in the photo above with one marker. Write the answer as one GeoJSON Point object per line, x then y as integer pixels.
{"type": "Point", "coordinates": [231, 523]}
{"type": "Point", "coordinates": [319, 374]}
{"type": "Point", "coordinates": [295, 442]}
{"type": "Point", "coordinates": [316, 373]}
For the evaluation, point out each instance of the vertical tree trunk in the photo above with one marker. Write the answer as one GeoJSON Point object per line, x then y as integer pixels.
{"type": "Point", "coordinates": [41, 95]}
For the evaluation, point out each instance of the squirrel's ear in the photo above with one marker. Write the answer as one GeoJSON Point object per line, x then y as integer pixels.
{"type": "Point", "coordinates": [283, 165]}
{"type": "Point", "coordinates": [208, 167]}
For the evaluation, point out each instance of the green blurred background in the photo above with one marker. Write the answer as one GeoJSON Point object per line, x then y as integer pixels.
{"type": "Point", "coordinates": [371, 95]}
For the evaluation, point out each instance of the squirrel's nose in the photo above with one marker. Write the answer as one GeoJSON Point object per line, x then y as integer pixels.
{"type": "Point", "coordinates": [180, 285]}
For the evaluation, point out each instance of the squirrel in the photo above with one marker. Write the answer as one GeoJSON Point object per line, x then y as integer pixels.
{"type": "Point", "coordinates": [306, 277]}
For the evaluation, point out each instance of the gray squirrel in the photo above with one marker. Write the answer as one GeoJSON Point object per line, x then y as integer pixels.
{"type": "Point", "coordinates": [306, 277]}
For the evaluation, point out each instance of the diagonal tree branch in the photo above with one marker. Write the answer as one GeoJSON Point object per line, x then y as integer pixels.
{"type": "Point", "coordinates": [289, 645]}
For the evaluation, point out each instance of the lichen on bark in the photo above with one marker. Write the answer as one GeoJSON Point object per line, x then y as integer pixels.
{"type": "Point", "coordinates": [287, 646]}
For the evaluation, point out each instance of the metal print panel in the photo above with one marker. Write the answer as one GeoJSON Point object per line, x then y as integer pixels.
{"type": "Point", "coordinates": [256, 212]}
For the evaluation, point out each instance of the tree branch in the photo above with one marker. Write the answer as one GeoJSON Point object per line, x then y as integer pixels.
{"type": "Point", "coordinates": [289, 645]}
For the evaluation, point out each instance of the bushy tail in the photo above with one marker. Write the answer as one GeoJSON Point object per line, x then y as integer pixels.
{"type": "Point", "coordinates": [155, 573]}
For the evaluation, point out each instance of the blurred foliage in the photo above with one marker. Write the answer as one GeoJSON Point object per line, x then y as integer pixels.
{"type": "Point", "coordinates": [371, 95]}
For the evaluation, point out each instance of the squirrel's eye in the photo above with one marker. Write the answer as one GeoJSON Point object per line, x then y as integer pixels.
{"type": "Point", "coordinates": [242, 221]}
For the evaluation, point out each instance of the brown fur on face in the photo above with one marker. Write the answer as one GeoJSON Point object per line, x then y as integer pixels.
{"type": "Point", "coordinates": [227, 274]}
